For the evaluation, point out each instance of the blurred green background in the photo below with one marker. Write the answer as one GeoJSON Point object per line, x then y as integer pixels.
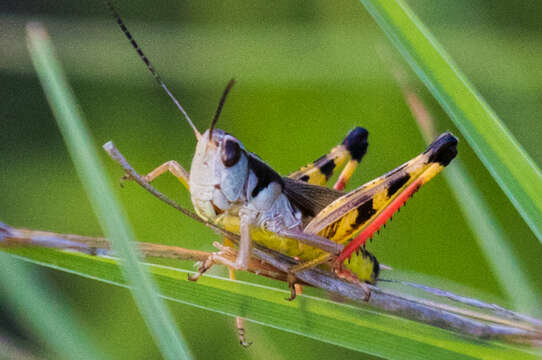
{"type": "Point", "coordinates": [307, 72]}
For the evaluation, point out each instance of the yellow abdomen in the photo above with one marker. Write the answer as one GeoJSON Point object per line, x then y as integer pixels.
{"type": "Point", "coordinates": [362, 264]}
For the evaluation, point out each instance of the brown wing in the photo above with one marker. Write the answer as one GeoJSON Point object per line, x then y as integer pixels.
{"type": "Point", "coordinates": [310, 199]}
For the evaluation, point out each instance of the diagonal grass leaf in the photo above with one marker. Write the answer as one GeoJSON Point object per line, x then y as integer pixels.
{"type": "Point", "coordinates": [107, 208]}
{"type": "Point", "coordinates": [353, 327]}
{"type": "Point", "coordinates": [504, 262]}
{"type": "Point", "coordinates": [56, 327]}
{"type": "Point", "coordinates": [504, 157]}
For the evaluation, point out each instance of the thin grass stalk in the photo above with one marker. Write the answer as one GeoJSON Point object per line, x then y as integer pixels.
{"type": "Point", "coordinates": [506, 160]}
{"type": "Point", "coordinates": [492, 240]}
{"type": "Point", "coordinates": [42, 313]}
{"type": "Point", "coordinates": [106, 206]}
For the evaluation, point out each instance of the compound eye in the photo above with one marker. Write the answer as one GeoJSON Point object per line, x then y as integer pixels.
{"type": "Point", "coordinates": [231, 153]}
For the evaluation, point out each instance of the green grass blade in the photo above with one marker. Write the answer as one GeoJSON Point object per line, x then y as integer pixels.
{"type": "Point", "coordinates": [500, 255]}
{"type": "Point", "coordinates": [506, 160]}
{"type": "Point", "coordinates": [352, 327]}
{"type": "Point", "coordinates": [28, 297]}
{"type": "Point", "coordinates": [99, 190]}
{"type": "Point", "coordinates": [487, 229]}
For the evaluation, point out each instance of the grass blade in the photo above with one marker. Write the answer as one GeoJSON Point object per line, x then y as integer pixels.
{"type": "Point", "coordinates": [506, 160]}
{"type": "Point", "coordinates": [56, 327]}
{"type": "Point", "coordinates": [491, 239]}
{"type": "Point", "coordinates": [487, 229]}
{"type": "Point", "coordinates": [352, 327]}
{"type": "Point", "coordinates": [105, 205]}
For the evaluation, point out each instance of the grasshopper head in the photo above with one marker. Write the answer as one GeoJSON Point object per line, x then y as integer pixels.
{"type": "Point", "coordinates": [219, 169]}
{"type": "Point", "coordinates": [218, 173]}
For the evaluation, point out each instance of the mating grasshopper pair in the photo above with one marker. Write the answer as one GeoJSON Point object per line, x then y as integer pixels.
{"type": "Point", "coordinates": [296, 215]}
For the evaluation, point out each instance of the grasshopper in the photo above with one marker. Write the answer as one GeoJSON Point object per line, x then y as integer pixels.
{"type": "Point", "coordinates": [296, 215]}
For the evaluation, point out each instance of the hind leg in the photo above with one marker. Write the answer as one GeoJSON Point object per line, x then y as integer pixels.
{"type": "Point", "coordinates": [350, 151]}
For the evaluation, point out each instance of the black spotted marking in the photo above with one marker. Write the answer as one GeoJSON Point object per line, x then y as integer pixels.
{"type": "Point", "coordinates": [397, 184]}
{"type": "Point", "coordinates": [365, 211]}
{"type": "Point", "coordinates": [305, 178]}
{"type": "Point", "coordinates": [332, 230]}
{"type": "Point", "coordinates": [264, 173]}
{"type": "Point", "coordinates": [327, 168]}
{"type": "Point", "coordinates": [356, 143]}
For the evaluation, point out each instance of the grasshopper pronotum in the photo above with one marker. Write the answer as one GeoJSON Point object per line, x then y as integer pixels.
{"type": "Point", "coordinates": [296, 215]}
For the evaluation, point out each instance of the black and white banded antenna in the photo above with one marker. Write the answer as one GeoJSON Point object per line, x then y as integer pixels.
{"type": "Point", "coordinates": [150, 67]}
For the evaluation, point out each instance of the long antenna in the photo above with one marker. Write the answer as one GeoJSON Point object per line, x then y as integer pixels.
{"type": "Point", "coordinates": [220, 105]}
{"type": "Point", "coordinates": [150, 67]}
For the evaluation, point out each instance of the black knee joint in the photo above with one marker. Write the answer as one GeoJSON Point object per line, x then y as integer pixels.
{"type": "Point", "coordinates": [356, 142]}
